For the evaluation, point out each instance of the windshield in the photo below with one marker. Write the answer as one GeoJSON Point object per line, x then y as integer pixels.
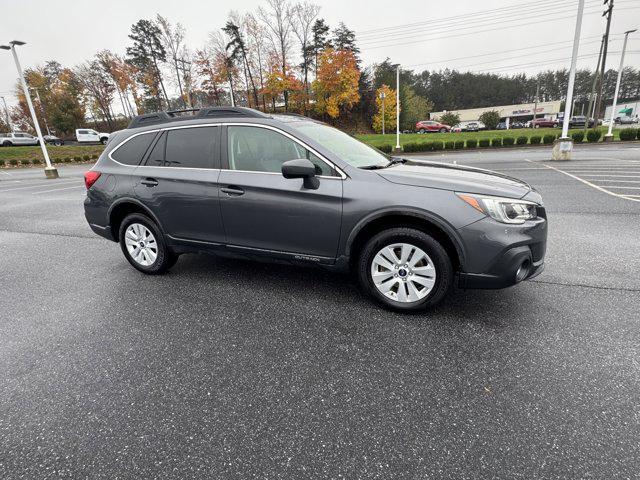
{"type": "Point", "coordinates": [352, 151]}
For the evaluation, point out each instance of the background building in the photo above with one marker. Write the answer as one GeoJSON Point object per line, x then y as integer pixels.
{"type": "Point", "coordinates": [521, 112]}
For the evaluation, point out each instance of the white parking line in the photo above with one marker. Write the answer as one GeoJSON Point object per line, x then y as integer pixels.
{"type": "Point", "coordinates": [610, 176]}
{"type": "Point", "coordinates": [616, 181]}
{"type": "Point", "coordinates": [587, 182]}
{"type": "Point", "coordinates": [621, 186]}
{"type": "Point", "coordinates": [5, 173]}
{"type": "Point", "coordinates": [56, 190]}
{"type": "Point", "coordinates": [43, 184]}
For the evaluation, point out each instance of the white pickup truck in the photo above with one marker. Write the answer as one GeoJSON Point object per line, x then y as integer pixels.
{"type": "Point", "coordinates": [87, 135]}
{"type": "Point", "coordinates": [17, 138]}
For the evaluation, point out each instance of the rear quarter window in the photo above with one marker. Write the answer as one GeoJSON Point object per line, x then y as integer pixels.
{"type": "Point", "coordinates": [132, 150]}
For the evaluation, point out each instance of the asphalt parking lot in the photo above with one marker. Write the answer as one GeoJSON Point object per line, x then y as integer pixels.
{"type": "Point", "coordinates": [230, 369]}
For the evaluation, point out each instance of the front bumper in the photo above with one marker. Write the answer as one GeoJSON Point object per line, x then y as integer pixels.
{"type": "Point", "coordinates": [501, 255]}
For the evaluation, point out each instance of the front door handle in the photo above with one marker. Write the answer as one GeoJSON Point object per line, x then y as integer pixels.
{"type": "Point", "coordinates": [232, 190]}
{"type": "Point", "coordinates": [149, 182]}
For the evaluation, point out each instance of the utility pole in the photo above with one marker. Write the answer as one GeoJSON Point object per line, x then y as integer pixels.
{"type": "Point", "coordinates": [593, 88]}
{"type": "Point", "coordinates": [382, 95]}
{"type": "Point", "coordinates": [6, 112]}
{"type": "Point", "coordinates": [49, 171]}
{"type": "Point", "coordinates": [184, 70]}
{"type": "Point", "coordinates": [398, 149]}
{"type": "Point", "coordinates": [44, 116]}
{"type": "Point", "coordinates": [609, 136]}
{"type": "Point", "coordinates": [535, 105]}
{"type": "Point", "coordinates": [563, 146]}
{"type": "Point", "coordinates": [608, 12]}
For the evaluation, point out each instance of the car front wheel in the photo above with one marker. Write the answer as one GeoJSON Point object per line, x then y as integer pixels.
{"type": "Point", "coordinates": [405, 269]}
{"type": "Point", "coordinates": [422, 130]}
{"type": "Point", "coordinates": [143, 245]}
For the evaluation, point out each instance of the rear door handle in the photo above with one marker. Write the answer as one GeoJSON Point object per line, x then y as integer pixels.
{"type": "Point", "coordinates": [232, 190]}
{"type": "Point", "coordinates": [149, 182]}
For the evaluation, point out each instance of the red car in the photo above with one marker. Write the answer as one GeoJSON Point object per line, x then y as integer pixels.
{"type": "Point", "coordinates": [544, 123]}
{"type": "Point", "coordinates": [426, 126]}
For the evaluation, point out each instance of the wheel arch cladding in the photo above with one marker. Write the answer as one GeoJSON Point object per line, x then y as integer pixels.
{"type": "Point", "coordinates": [376, 223]}
{"type": "Point", "coordinates": [123, 208]}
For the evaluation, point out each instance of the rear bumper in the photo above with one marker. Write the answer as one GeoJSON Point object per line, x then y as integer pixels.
{"type": "Point", "coordinates": [102, 231]}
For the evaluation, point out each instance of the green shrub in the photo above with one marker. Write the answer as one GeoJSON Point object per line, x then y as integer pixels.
{"type": "Point", "coordinates": [428, 147]}
{"type": "Point", "coordinates": [1, 163]}
{"type": "Point", "coordinates": [66, 159]}
{"type": "Point", "coordinates": [484, 142]}
{"type": "Point", "coordinates": [13, 162]}
{"type": "Point", "coordinates": [35, 161]}
{"type": "Point", "coordinates": [628, 134]}
{"type": "Point", "coordinates": [450, 145]}
{"type": "Point", "coordinates": [438, 145]}
{"type": "Point", "coordinates": [535, 139]}
{"type": "Point", "coordinates": [496, 142]}
{"type": "Point", "coordinates": [578, 136]}
{"type": "Point", "coordinates": [459, 144]}
{"type": "Point", "coordinates": [522, 140]}
{"type": "Point", "coordinates": [25, 162]}
{"type": "Point", "coordinates": [95, 156]}
{"type": "Point", "coordinates": [86, 158]}
{"type": "Point", "coordinates": [472, 143]}
{"type": "Point", "coordinates": [385, 148]}
{"type": "Point", "coordinates": [593, 135]}
{"type": "Point", "coordinates": [508, 141]}
{"type": "Point", "coordinates": [410, 147]}
{"type": "Point", "coordinates": [548, 139]}
{"type": "Point", "coordinates": [638, 137]}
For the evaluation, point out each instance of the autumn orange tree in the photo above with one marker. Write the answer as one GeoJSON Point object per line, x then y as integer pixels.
{"type": "Point", "coordinates": [336, 86]}
{"type": "Point", "coordinates": [276, 83]}
{"type": "Point", "coordinates": [389, 109]}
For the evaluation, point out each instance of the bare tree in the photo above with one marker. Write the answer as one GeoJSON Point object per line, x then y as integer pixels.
{"type": "Point", "coordinates": [256, 40]}
{"type": "Point", "coordinates": [302, 20]}
{"type": "Point", "coordinates": [98, 87]}
{"type": "Point", "coordinates": [172, 39]}
{"type": "Point", "coordinates": [277, 21]}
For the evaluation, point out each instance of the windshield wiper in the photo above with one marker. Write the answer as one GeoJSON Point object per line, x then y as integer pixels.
{"type": "Point", "coordinates": [395, 161]}
{"type": "Point", "coordinates": [372, 167]}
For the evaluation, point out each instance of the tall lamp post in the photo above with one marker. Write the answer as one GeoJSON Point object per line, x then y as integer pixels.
{"type": "Point", "coordinates": [49, 171]}
{"type": "Point", "coordinates": [382, 96]}
{"type": "Point", "coordinates": [398, 149]}
{"type": "Point", "coordinates": [563, 146]}
{"type": "Point", "coordinates": [609, 136]}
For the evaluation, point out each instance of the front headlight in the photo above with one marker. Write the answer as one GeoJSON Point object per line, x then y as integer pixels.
{"type": "Point", "coordinates": [505, 210]}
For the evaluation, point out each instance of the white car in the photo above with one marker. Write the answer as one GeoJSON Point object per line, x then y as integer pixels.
{"type": "Point", "coordinates": [87, 135]}
{"type": "Point", "coordinates": [17, 138]}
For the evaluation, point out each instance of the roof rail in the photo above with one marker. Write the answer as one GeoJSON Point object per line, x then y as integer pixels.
{"type": "Point", "coordinates": [205, 112]}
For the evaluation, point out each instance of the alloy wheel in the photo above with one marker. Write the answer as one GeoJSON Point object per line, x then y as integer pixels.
{"type": "Point", "coordinates": [141, 244]}
{"type": "Point", "coordinates": [403, 272]}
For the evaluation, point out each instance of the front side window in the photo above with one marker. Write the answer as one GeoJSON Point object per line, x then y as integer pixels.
{"type": "Point", "coordinates": [83, 132]}
{"type": "Point", "coordinates": [186, 148]}
{"type": "Point", "coordinates": [133, 150]}
{"type": "Point", "coordinates": [256, 149]}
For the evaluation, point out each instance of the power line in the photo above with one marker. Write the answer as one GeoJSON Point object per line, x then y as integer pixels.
{"type": "Point", "coordinates": [445, 19]}
{"type": "Point", "coordinates": [501, 28]}
{"type": "Point", "coordinates": [468, 23]}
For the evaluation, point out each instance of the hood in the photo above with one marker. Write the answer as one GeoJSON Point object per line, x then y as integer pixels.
{"type": "Point", "coordinates": [458, 178]}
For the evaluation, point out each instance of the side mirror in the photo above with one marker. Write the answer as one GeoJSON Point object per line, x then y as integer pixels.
{"type": "Point", "coordinates": [301, 168]}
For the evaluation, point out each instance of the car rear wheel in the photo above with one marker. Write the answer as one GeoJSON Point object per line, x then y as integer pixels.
{"type": "Point", "coordinates": [405, 269]}
{"type": "Point", "coordinates": [143, 245]}
{"type": "Point", "coordinates": [442, 130]}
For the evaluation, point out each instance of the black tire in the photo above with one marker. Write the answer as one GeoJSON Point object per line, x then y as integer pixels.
{"type": "Point", "coordinates": [435, 251]}
{"type": "Point", "coordinates": [165, 258]}
{"type": "Point", "coordinates": [7, 144]}
{"type": "Point", "coordinates": [103, 141]}
{"type": "Point", "coordinates": [422, 130]}
{"type": "Point", "coordinates": [443, 130]}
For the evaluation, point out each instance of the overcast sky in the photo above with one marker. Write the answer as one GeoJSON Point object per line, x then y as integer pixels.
{"type": "Point", "coordinates": [420, 34]}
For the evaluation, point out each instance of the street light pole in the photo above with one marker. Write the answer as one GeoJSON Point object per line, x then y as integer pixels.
{"type": "Point", "coordinates": [609, 136]}
{"type": "Point", "coordinates": [44, 115]}
{"type": "Point", "coordinates": [382, 96]}
{"type": "Point", "coordinates": [563, 146]}
{"type": "Point", "coordinates": [398, 108]}
{"type": "Point", "coordinates": [49, 171]}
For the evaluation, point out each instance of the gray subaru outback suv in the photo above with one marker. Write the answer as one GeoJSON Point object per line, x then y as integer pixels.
{"type": "Point", "coordinates": [237, 182]}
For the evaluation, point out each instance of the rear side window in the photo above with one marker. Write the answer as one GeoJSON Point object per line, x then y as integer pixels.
{"type": "Point", "coordinates": [132, 151]}
{"type": "Point", "coordinates": [83, 132]}
{"type": "Point", "coordinates": [192, 147]}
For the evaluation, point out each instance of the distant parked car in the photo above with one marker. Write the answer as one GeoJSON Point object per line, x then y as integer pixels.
{"type": "Point", "coordinates": [87, 135]}
{"type": "Point", "coordinates": [456, 128]}
{"type": "Point", "coordinates": [626, 120]}
{"type": "Point", "coordinates": [474, 126]}
{"type": "Point", "coordinates": [501, 126]}
{"type": "Point", "coordinates": [426, 126]}
{"type": "Point", "coordinates": [579, 121]}
{"type": "Point", "coordinates": [544, 123]}
{"type": "Point", "coordinates": [517, 125]}
{"type": "Point", "coordinates": [17, 138]}
{"type": "Point", "coordinates": [53, 140]}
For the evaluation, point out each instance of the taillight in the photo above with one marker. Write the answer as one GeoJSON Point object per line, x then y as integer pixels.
{"type": "Point", "coordinates": [90, 178]}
